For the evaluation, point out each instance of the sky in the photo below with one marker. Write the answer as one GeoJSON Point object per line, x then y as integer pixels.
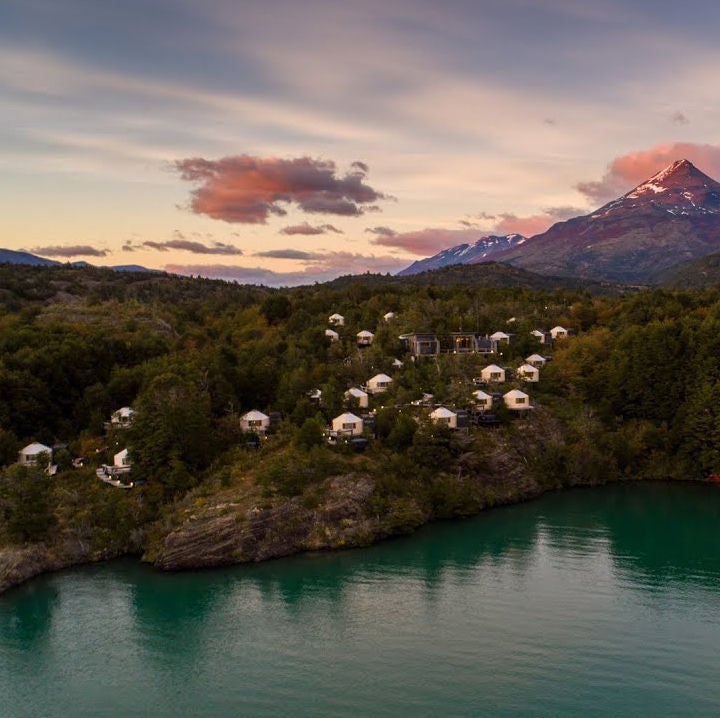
{"type": "Point", "coordinates": [285, 142]}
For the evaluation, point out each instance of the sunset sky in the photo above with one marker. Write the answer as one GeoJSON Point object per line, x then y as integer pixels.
{"type": "Point", "coordinates": [289, 141]}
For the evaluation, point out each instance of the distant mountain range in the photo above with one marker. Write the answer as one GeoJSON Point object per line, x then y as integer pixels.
{"type": "Point", "coordinates": [482, 250]}
{"type": "Point", "coordinates": [672, 218]}
{"type": "Point", "coordinates": [9, 256]}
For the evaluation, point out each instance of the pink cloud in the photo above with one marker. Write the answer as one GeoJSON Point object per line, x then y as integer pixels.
{"type": "Point", "coordinates": [248, 189]}
{"type": "Point", "coordinates": [628, 171]}
{"type": "Point", "coordinates": [425, 242]}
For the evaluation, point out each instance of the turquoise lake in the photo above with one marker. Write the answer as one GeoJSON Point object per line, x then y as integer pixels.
{"type": "Point", "coordinates": [592, 602]}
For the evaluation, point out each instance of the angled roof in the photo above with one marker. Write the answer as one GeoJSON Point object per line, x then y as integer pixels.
{"type": "Point", "coordinates": [442, 413]}
{"type": "Point", "coordinates": [347, 418]}
{"type": "Point", "coordinates": [380, 377]}
{"type": "Point", "coordinates": [515, 394]}
{"type": "Point", "coordinates": [36, 448]}
{"type": "Point", "coordinates": [254, 415]}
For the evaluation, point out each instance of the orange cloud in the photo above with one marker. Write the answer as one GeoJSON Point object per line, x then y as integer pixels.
{"type": "Point", "coordinates": [630, 170]}
{"type": "Point", "coordinates": [424, 242]}
{"type": "Point", "coordinates": [249, 189]}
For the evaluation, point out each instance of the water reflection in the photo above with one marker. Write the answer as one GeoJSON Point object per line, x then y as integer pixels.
{"type": "Point", "coordinates": [26, 616]}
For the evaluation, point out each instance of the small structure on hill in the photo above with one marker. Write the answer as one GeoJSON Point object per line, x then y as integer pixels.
{"type": "Point", "coordinates": [493, 374]}
{"type": "Point", "coordinates": [482, 400]}
{"type": "Point", "coordinates": [255, 421]}
{"type": "Point", "coordinates": [541, 336]}
{"type": "Point", "coordinates": [379, 383]}
{"type": "Point", "coordinates": [528, 372]}
{"type": "Point", "coordinates": [332, 335]}
{"type": "Point", "coordinates": [122, 418]}
{"type": "Point", "coordinates": [517, 400]}
{"type": "Point", "coordinates": [444, 417]}
{"type": "Point", "coordinates": [347, 424]}
{"type": "Point", "coordinates": [35, 454]}
{"type": "Point", "coordinates": [337, 320]}
{"type": "Point", "coordinates": [359, 395]}
{"type": "Point", "coordinates": [559, 332]}
{"type": "Point", "coordinates": [499, 337]}
{"type": "Point", "coordinates": [365, 338]}
{"type": "Point", "coordinates": [421, 345]}
{"type": "Point", "coordinates": [389, 316]}
{"type": "Point", "coordinates": [536, 360]}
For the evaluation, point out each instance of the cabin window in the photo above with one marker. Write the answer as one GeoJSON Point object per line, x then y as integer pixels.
{"type": "Point", "coordinates": [255, 422]}
{"type": "Point", "coordinates": [348, 427]}
{"type": "Point", "coordinates": [520, 400]}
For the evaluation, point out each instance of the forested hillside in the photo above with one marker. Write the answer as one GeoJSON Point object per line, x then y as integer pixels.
{"type": "Point", "coordinates": [632, 394]}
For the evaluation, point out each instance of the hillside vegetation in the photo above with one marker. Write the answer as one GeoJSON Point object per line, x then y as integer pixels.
{"type": "Point", "coordinates": [633, 394]}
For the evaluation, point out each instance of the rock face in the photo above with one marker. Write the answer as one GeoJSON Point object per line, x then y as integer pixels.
{"type": "Point", "coordinates": [222, 535]}
{"type": "Point", "coordinates": [484, 249]}
{"type": "Point", "coordinates": [673, 217]}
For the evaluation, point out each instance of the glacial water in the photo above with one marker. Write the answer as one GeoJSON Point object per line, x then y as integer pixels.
{"type": "Point", "coordinates": [593, 602]}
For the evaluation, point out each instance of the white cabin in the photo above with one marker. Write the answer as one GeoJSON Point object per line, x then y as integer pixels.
{"type": "Point", "coordinates": [379, 383]}
{"type": "Point", "coordinates": [539, 335]}
{"type": "Point", "coordinates": [255, 421]}
{"type": "Point", "coordinates": [121, 460]}
{"type": "Point", "coordinates": [365, 338]}
{"type": "Point", "coordinates": [482, 399]}
{"type": "Point", "coordinates": [445, 417]}
{"type": "Point", "coordinates": [500, 337]}
{"type": "Point", "coordinates": [397, 363]}
{"type": "Point", "coordinates": [493, 374]}
{"type": "Point", "coordinates": [348, 424]}
{"type": "Point", "coordinates": [389, 316]}
{"type": "Point", "coordinates": [332, 335]}
{"type": "Point", "coordinates": [528, 372]}
{"type": "Point", "coordinates": [337, 320]}
{"type": "Point", "coordinates": [358, 394]}
{"type": "Point", "coordinates": [559, 332]}
{"type": "Point", "coordinates": [122, 418]}
{"type": "Point", "coordinates": [536, 360]}
{"type": "Point", "coordinates": [30, 454]}
{"type": "Point", "coordinates": [517, 400]}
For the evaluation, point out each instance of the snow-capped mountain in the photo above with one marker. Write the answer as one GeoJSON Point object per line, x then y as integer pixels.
{"type": "Point", "coordinates": [672, 217]}
{"type": "Point", "coordinates": [483, 248]}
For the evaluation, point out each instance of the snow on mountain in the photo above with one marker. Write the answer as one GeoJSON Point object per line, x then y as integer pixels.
{"type": "Point", "coordinates": [464, 253]}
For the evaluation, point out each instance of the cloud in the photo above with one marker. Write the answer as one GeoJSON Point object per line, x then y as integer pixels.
{"type": "Point", "coordinates": [77, 250]}
{"type": "Point", "coordinates": [308, 229]}
{"type": "Point", "coordinates": [679, 118]}
{"type": "Point", "coordinates": [188, 245]}
{"type": "Point", "coordinates": [321, 268]}
{"type": "Point", "coordinates": [288, 254]}
{"type": "Point", "coordinates": [381, 231]}
{"type": "Point", "coordinates": [248, 189]}
{"type": "Point", "coordinates": [425, 242]}
{"type": "Point", "coordinates": [627, 171]}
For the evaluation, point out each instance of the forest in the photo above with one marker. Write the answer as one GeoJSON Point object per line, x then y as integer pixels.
{"type": "Point", "coordinates": [633, 394]}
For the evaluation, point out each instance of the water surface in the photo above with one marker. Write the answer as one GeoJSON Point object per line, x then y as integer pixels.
{"type": "Point", "coordinates": [596, 602]}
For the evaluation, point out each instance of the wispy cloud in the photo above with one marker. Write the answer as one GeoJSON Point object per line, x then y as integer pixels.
{"type": "Point", "coordinates": [250, 189]}
{"type": "Point", "coordinates": [308, 229]}
{"type": "Point", "coordinates": [289, 254]}
{"type": "Point", "coordinates": [185, 245]}
{"type": "Point", "coordinates": [627, 171]}
{"type": "Point", "coordinates": [75, 250]}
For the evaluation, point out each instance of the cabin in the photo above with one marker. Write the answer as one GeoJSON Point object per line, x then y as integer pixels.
{"type": "Point", "coordinates": [528, 372]}
{"type": "Point", "coordinates": [389, 316]}
{"type": "Point", "coordinates": [517, 400]}
{"type": "Point", "coordinates": [541, 336]}
{"type": "Point", "coordinates": [365, 338]}
{"type": "Point", "coordinates": [337, 320]}
{"type": "Point", "coordinates": [499, 337]}
{"type": "Point", "coordinates": [31, 454]}
{"type": "Point", "coordinates": [315, 395]}
{"type": "Point", "coordinates": [461, 343]}
{"type": "Point", "coordinates": [347, 424]}
{"type": "Point", "coordinates": [121, 462]}
{"type": "Point", "coordinates": [493, 374]}
{"type": "Point", "coordinates": [379, 383]}
{"type": "Point", "coordinates": [255, 421]}
{"type": "Point", "coordinates": [536, 360]}
{"type": "Point", "coordinates": [397, 363]}
{"type": "Point", "coordinates": [332, 335]}
{"type": "Point", "coordinates": [559, 332]}
{"type": "Point", "coordinates": [483, 400]}
{"type": "Point", "coordinates": [444, 417]}
{"type": "Point", "coordinates": [122, 418]}
{"type": "Point", "coordinates": [421, 345]}
{"type": "Point", "coordinates": [354, 393]}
